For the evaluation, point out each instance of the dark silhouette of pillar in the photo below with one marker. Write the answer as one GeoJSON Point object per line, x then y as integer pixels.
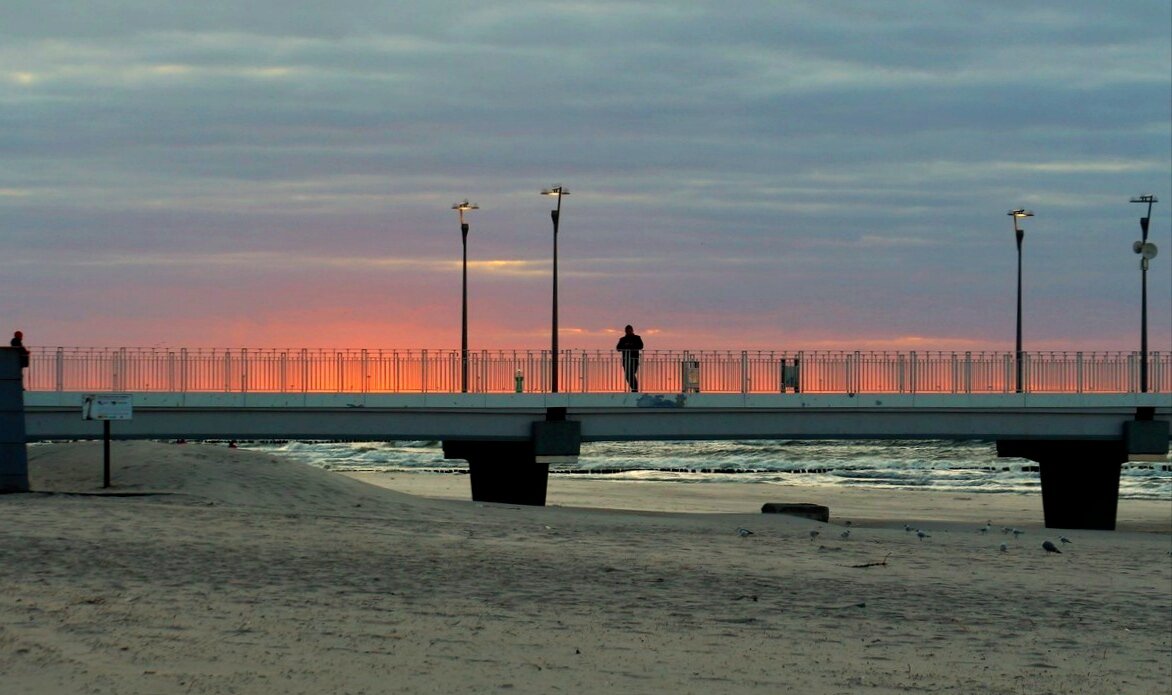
{"type": "Point", "coordinates": [502, 471]}
{"type": "Point", "coordinates": [517, 472]}
{"type": "Point", "coordinates": [13, 455]}
{"type": "Point", "coordinates": [1080, 478]}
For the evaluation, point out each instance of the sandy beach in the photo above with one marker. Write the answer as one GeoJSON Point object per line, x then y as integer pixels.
{"type": "Point", "coordinates": [213, 570]}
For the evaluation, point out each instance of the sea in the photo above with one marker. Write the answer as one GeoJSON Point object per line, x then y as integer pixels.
{"type": "Point", "coordinates": [944, 466]}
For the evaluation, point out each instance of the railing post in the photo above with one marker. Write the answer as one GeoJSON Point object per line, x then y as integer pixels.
{"type": "Point", "coordinates": [482, 383]}
{"type": "Point", "coordinates": [183, 370]}
{"type": "Point", "coordinates": [1025, 372]}
{"type": "Point", "coordinates": [119, 370]}
{"type": "Point", "coordinates": [913, 369]}
{"type": "Point", "coordinates": [423, 364]}
{"type": "Point", "coordinates": [798, 362]}
{"type": "Point", "coordinates": [968, 371]}
{"type": "Point", "coordinates": [396, 375]}
{"type": "Point", "coordinates": [244, 369]}
{"type": "Point", "coordinates": [1078, 378]}
{"type": "Point", "coordinates": [852, 367]}
{"type": "Point", "coordinates": [60, 369]}
{"type": "Point", "coordinates": [304, 370]}
{"type": "Point", "coordinates": [744, 372]}
{"type": "Point", "coordinates": [544, 371]}
{"type": "Point", "coordinates": [365, 373]}
{"type": "Point", "coordinates": [283, 370]}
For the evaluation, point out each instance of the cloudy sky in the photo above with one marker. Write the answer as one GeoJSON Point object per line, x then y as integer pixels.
{"type": "Point", "coordinates": [743, 174]}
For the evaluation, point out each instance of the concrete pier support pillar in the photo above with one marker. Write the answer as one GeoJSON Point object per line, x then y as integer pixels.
{"type": "Point", "coordinates": [504, 472]}
{"type": "Point", "coordinates": [13, 455]}
{"type": "Point", "coordinates": [517, 472]}
{"type": "Point", "coordinates": [1080, 479]}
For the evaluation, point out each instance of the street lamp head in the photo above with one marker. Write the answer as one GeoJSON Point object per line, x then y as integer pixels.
{"type": "Point", "coordinates": [558, 190]}
{"type": "Point", "coordinates": [1020, 212]}
{"type": "Point", "coordinates": [1145, 198]}
{"type": "Point", "coordinates": [462, 207]}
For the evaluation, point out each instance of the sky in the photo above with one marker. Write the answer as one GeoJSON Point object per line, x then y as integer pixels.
{"type": "Point", "coordinates": [743, 174]}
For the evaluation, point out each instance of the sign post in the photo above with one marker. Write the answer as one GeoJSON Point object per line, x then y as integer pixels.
{"type": "Point", "coordinates": [106, 407]}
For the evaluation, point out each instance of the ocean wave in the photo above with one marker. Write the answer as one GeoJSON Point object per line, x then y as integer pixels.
{"type": "Point", "coordinates": [971, 466]}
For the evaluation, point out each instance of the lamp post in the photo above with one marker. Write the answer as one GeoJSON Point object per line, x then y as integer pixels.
{"type": "Point", "coordinates": [559, 191]}
{"type": "Point", "coordinates": [461, 208]}
{"type": "Point", "coordinates": [1019, 234]}
{"type": "Point", "coordinates": [1147, 252]}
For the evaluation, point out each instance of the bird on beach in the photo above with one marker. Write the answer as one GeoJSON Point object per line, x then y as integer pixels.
{"type": "Point", "coordinates": [1005, 529]}
{"type": "Point", "coordinates": [845, 534]}
{"type": "Point", "coordinates": [1065, 540]}
{"type": "Point", "coordinates": [921, 535]}
{"type": "Point", "coordinates": [1005, 547]}
{"type": "Point", "coordinates": [814, 534]}
{"type": "Point", "coordinates": [742, 532]}
{"type": "Point", "coordinates": [1050, 547]}
{"type": "Point", "coordinates": [907, 528]}
{"type": "Point", "coordinates": [1017, 532]}
{"type": "Point", "coordinates": [986, 528]}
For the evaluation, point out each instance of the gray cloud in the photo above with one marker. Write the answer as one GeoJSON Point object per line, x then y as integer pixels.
{"type": "Point", "coordinates": [837, 163]}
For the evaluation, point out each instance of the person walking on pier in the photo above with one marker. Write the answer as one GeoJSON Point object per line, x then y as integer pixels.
{"type": "Point", "coordinates": [630, 345]}
{"type": "Point", "coordinates": [18, 342]}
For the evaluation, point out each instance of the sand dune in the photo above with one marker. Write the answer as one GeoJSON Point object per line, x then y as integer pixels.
{"type": "Point", "coordinates": [212, 570]}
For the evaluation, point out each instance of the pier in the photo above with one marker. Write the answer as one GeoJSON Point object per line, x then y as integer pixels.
{"type": "Point", "coordinates": [1081, 416]}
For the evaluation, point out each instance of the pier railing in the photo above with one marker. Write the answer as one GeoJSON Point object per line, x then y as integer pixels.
{"type": "Point", "coordinates": [586, 371]}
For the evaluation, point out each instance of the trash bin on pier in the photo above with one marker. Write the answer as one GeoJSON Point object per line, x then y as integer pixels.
{"type": "Point", "coordinates": [690, 376]}
{"type": "Point", "coordinates": [790, 375]}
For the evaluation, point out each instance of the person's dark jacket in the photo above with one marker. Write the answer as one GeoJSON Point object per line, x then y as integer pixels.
{"type": "Point", "coordinates": [630, 345]}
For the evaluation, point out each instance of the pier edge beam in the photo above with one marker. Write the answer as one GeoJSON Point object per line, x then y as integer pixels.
{"type": "Point", "coordinates": [1080, 479]}
{"type": "Point", "coordinates": [13, 448]}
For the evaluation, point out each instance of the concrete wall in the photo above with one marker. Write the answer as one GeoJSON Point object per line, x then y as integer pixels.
{"type": "Point", "coordinates": [13, 457]}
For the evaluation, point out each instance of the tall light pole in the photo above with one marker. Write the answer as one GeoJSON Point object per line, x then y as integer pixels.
{"type": "Point", "coordinates": [559, 191]}
{"type": "Point", "coordinates": [461, 208]}
{"type": "Point", "coordinates": [1147, 252]}
{"type": "Point", "coordinates": [1019, 234]}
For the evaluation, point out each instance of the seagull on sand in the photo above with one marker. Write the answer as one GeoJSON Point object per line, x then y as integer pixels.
{"type": "Point", "coordinates": [1064, 540]}
{"type": "Point", "coordinates": [921, 535]}
{"type": "Point", "coordinates": [1005, 547]}
{"type": "Point", "coordinates": [986, 528]}
{"type": "Point", "coordinates": [814, 534]}
{"type": "Point", "coordinates": [742, 532]}
{"type": "Point", "coordinates": [845, 534]}
{"type": "Point", "coordinates": [1017, 532]}
{"type": "Point", "coordinates": [907, 527]}
{"type": "Point", "coordinates": [1050, 547]}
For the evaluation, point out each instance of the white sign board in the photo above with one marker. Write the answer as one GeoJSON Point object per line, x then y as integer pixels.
{"type": "Point", "coordinates": [106, 406]}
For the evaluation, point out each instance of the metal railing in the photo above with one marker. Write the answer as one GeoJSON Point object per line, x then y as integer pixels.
{"type": "Point", "coordinates": [586, 371]}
